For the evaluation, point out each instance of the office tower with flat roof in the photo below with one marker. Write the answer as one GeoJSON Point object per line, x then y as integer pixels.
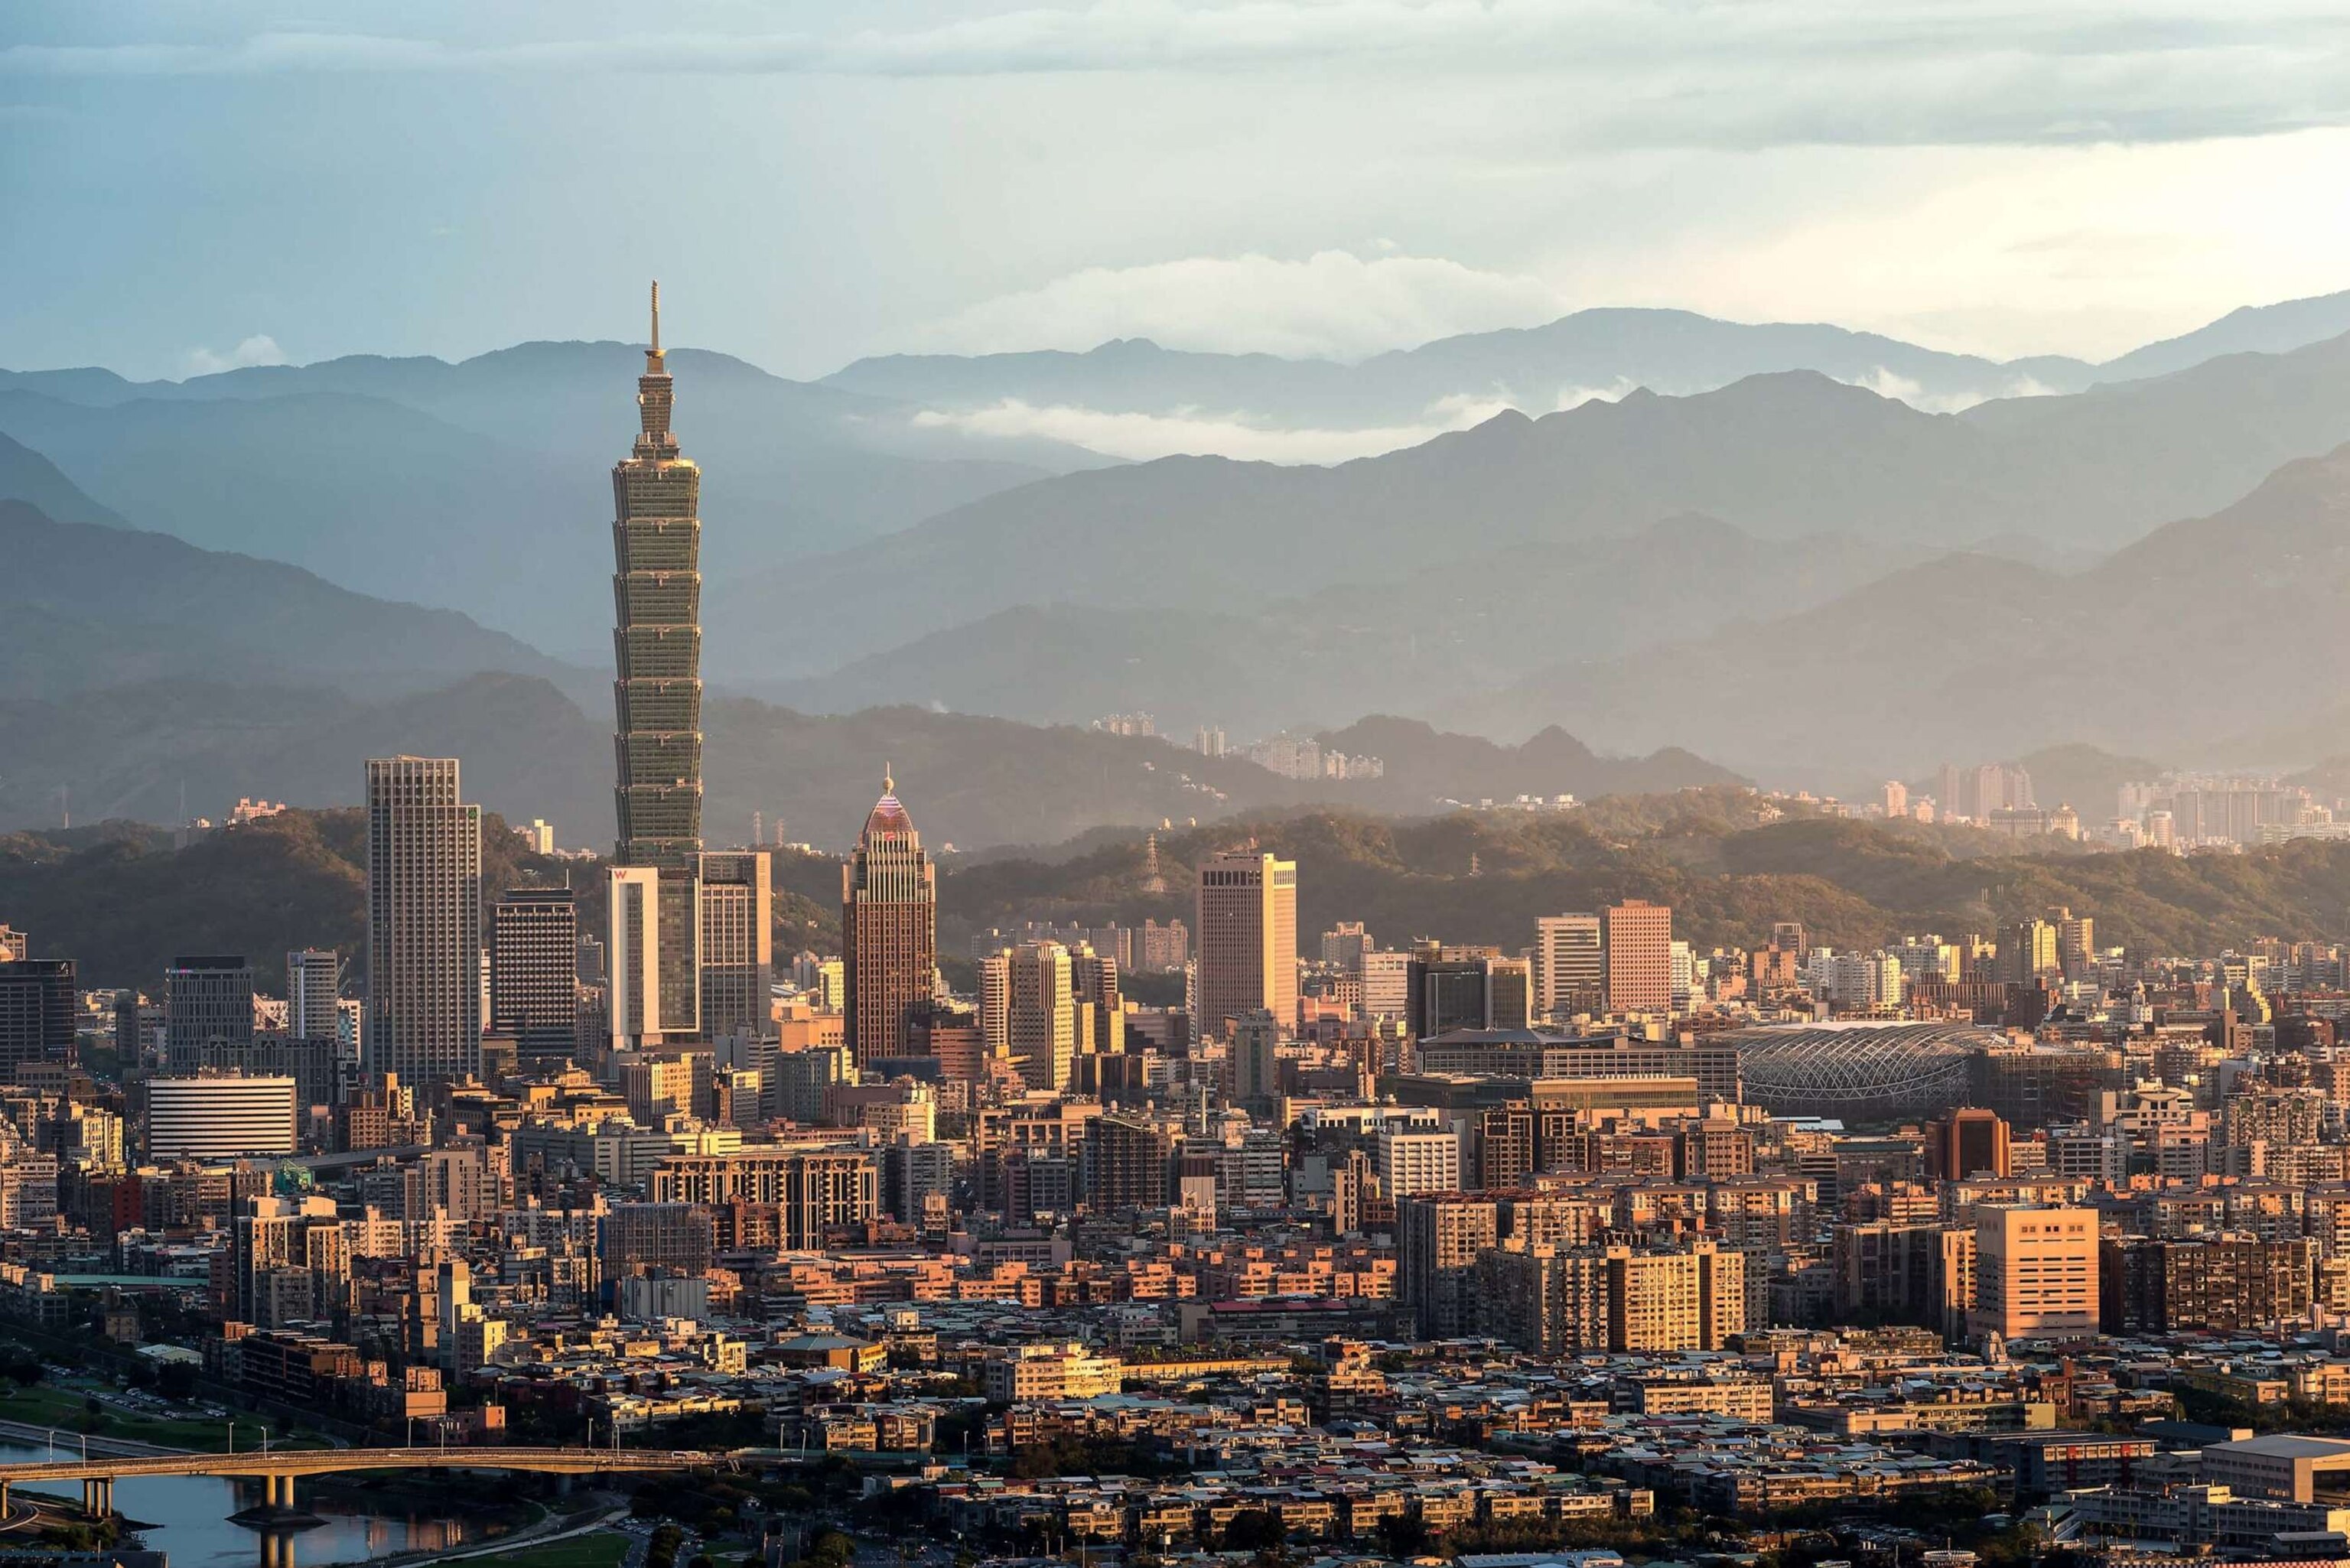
{"type": "Point", "coordinates": [738, 944]}
{"type": "Point", "coordinates": [2035, 1272]}
{"type": "Point", "coordinates": [37, 1004]}
{"type": "Point", "coordinates": [207, 997]}
{"type": "Point", "coordinates": [313, 994]}
{"type": "Point", "coordinates": [657, 711]}
{"type": "Point", "coordinates": [534, 970]}
{"type": "Point", "coordinates": [1638, 938]}
{"type": "Point", "coordinates": [1245, 921]}
{"type": "Point", "coordinates": [888, 932]}
{"type": "Point", "coordinates": [1967, 1141]}
{"type": "Point", "coordinates": [423, 1018]}
{"type": "Point", "coordinates": [1101, 1010]}
{"type": "Point", "coordinates": [219, 1116]}
{"type": "Point", "coordinates": [1570, 966]}
{"type": "Point", "coordinates": [1041, 1014]}
{"type": "Point", "coordinates": [1447, 990]}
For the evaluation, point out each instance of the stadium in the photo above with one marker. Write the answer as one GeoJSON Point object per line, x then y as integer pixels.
{"type": "Point", "coordinates": [1859, 1072]}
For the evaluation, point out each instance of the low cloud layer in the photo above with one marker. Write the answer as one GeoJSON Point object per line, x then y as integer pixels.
{"type": "Point", "coordinates": [1140, 437]}
{"type": "Point", "coordinates": [258, 349]}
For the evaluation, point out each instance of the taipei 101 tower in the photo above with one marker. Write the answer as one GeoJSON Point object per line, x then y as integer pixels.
{"type": "Point", "coordinates": [657, 702]}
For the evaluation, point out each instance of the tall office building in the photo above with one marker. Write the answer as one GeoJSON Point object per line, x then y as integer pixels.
{"type": "Point", "coordinates": [314, 994]}
{"type": "Point", "coordinates": [656, 908]}
{"type": "Point", "coordinates": [888, 930]}
{"type": "Point", "coordinates": [37, 1004]}
{"type": "Point", "coordinates": [738, 944]}
{"type": "Point", "coordinates": [1101, 1010]}
{"type": "Point", "coordinates": [1041, 1014]}
{"type": "Point", "coordinates": [1246, 918]}
{"type": "Point", "coordinates": [206, 998]}
{"type": "Point", "coordinates": [1570, 966]}
{"type": "Point", "coordinates": [2028, 952]}
{"type": "Point", "coordinates": [1638, 938]}
{"type": "Point", "coordinates": [534, 970]}
{"type": "Point", "coordinates": [423, 1018]}
{"type": "Point", "coordinates": [1450, 990]}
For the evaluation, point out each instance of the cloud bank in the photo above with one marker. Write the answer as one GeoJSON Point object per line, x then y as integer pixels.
{"type": "Point", "coordinates": [258, 349]}
{"type": "Point", "coordinates": [1628, 73]}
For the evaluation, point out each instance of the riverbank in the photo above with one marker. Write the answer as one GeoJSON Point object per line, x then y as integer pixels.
{"type": "Point", "coordinates": [541, 1545]}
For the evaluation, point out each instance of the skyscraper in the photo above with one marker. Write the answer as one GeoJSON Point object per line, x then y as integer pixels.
{"type": "Point", "coordinates": [1570, 966]}
{"type": "Point", "coordinates": [657, 711]}
{"type": "Point", "coordinates": [423, 1018]}
{"type": "Point", "coordinates": [738, 953]}
{"type": "Point", "coordinates": [37, 1004]}
{"type": "Point", "coordinates": [534, 970]}
{"type": "Point", "coordinates": [314, 989]}
{"type": "Point", "coordinates": [888, 930]}
{"type": "Point", "coordinates": [1246, 916]}
{"type": "Point", "coordinates": [1041, 1017]}
{"type": "Point", "coordinates": [1639, 947]}
{"type": "Point", "coordinates": [206, 998]}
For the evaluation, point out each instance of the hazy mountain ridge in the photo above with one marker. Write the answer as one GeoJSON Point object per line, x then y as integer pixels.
{"type": "Point", "coordinates": [2136, 654]}
{"type": "Point", "coordinates": [1409, 645]}
{"type": "Point", "coordinates": [1596, 351]}
{"type": "Point", "coordinates": [89, 605]}
{"type": "Point", "coordinates": [1779, 456]}
{"type": "Point", "coordinates": [485, 485]}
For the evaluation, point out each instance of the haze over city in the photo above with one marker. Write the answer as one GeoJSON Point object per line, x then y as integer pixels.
{"type": "Point", "coordinates": [1308, 784]}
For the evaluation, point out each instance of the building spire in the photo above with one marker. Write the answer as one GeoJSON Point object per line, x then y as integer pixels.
{"type": "Point", "coordinates": [653, 366]}
{"type": "Point", "coordinates": [889, 779]}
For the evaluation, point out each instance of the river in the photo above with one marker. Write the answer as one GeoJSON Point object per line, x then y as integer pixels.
{"type": "Point", "coordinates": [190, 1516]}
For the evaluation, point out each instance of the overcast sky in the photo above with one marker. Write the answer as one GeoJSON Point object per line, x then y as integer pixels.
{"type": "Point", "coordinates": [192, 185]}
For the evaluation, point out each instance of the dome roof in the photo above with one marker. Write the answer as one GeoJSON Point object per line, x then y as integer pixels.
{"type": "Point", "coordinates": [1867, 1071]}
{"type": "Point", "coordinates": [887, 815]}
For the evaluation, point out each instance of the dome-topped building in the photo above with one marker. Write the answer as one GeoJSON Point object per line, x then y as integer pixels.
{"type": "Point", "coordinates": [1859, 1070]}
{"type": "Point", "coordinates": [889, 929]}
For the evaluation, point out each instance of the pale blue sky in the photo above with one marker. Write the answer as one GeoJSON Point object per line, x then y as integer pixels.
{"type": "Point", "coordinates": [813, 183]}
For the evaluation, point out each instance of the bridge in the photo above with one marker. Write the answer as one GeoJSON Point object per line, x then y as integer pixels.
{"type": "Point", "coordinates": [277, 1468]}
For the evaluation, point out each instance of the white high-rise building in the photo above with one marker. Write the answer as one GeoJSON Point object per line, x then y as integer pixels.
{"type": "Point", "coordinates": [1387, 985]}
{"type": "Point", "coordinates": [1413, 1162]}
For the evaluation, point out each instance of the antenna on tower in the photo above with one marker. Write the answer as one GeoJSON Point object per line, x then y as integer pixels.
{"type": "Point", "coordinates": [656, 316]}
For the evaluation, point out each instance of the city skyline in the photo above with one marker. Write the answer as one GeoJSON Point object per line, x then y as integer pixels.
{"type": "Point", "coordinates": [1634, 940]}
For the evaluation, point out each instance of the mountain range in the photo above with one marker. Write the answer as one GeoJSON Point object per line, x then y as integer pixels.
{"type": "Point", "coordinates": [89, 605]}
{"type": "Point", "coordinates": [483, 486]}
{"type": "Point", "coordinates": [1536, 369]}
{"type": "Point", "coordinates": [1779, 457]}
{"type": "Point", "coordinates": [2205, 628]}
{"type": "Point", "coordinates": [1790, 575]}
